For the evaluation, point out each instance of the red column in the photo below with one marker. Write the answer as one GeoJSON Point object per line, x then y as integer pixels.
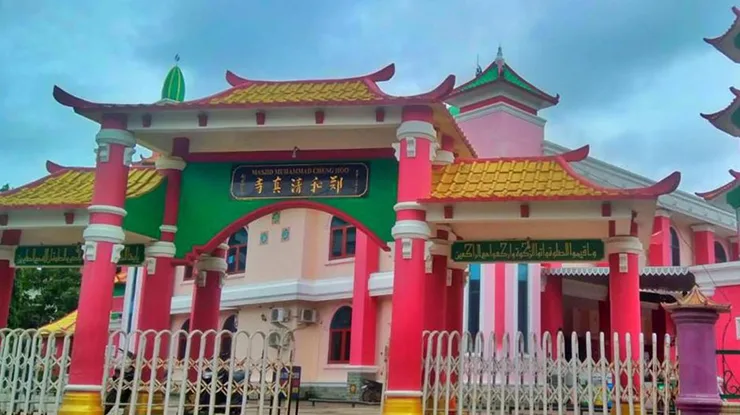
{"type": "Point", "coordinates": [734, 249]}
{"type": "Point", "coordinates": [364, 306]}
{"type": "Point", "coordinates": [551, 304]}
{"type": "Point", "coordinates": [411, 232]}
{"type": "Point", "coordinates": [104, 239]}
{"type": "Point", "coordinates": [456, 300]}
{"type": "Point", "coordinates": [8, 241]}
{"type": "Point", "coordinates": [660, 243]}
{"type": "Point", "coordinates": [624, 293]}
{"type": "Point", "coordinates": [703, 244]}
{"type": "Point", "coordinates": [204, 314]}
{"type": "Point", "coordinates": [435, 288]}
{"type": "Point", "coordinates": [155, 301]}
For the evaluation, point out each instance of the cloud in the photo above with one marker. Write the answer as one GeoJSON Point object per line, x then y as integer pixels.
{"type": "Point", "coordinates": [633, 75]}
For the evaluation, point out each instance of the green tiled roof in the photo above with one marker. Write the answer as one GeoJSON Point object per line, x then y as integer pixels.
{"type": "Point", "coordinates": [492, 74]}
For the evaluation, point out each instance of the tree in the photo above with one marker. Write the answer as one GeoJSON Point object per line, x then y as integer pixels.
{"type": "Point", "coordinates": [41, 296]}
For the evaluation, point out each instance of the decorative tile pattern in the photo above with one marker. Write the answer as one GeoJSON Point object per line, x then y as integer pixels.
{"type": "Point", "coordinates": [285, 235]}
{"type": "Point", "coordinates": [511, 179]}
{"type": "Point", "coordinates": [75, 187]}
{"type": "Point", "coordinates": [276, 218]}
{"type": "Point", "coordinates": [264, 237]}
{"type": "Point", "coordinates": [297, 92]}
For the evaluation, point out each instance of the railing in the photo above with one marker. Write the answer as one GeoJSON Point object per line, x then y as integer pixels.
{"type": "Point", "coordinates": [487, 375]}
{"type": "Point", "coordinates": [154, 372]}
{"type": "Point", "coordinates": [729, 383]}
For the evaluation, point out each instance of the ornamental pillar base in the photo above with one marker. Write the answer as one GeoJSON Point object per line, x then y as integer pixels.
{"type": "Point", "coordinates": [624, 408]}
{"type": "Point", "coordinates": [402, 405]}
{"type": "Point", "coordinates": [81, 403]}
{"type": "Point", "coordinates": [142, 403]}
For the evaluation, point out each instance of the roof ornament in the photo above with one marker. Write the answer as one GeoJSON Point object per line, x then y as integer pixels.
{"type": "Point", "coordinates": [173, 89]}
{"type": "Point", "coordinates": [500, 59]}
{"type": "Point", "coordinates": [478, 69]}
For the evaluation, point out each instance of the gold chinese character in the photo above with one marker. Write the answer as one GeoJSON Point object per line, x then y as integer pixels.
{"type": "Point", "coordinates": [276, 188]}
{"type": "Point", "coordinates": [259, 185]}
{"type": "Point", "coordinates": [336, 183]}
{"type": "Point", "coordinates": [296, 185]}
{"type": "Point", "coordinates": [315, 185]}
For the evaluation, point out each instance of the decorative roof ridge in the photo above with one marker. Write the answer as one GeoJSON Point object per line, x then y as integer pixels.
{"type": "Point", "coordinates": [695, 299]}
{"type": "Point", "coordinates": [667, 185]}
{"type": "Point", "coordinates": [714, 41]}
{"type": "Point", "coordinates": [714, 116]}
{"type": "Point", "coordinates": [58, 171]}
{"type": "Point", "coordinates": [569, 156]}
{"type": "Point", "coordinates": [713, 194]}
{"type": "Point", "coordinates": [501, 66]}
{"type": "Point", "coordinates": [381, 75]}
{"type": "Point", "coordinates": [435, 95]}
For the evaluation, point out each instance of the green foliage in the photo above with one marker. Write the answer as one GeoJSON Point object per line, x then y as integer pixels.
{"type": "Point", "coordinates": [42, 296]}
{"type": "Point", "coordinates": [5, 187]}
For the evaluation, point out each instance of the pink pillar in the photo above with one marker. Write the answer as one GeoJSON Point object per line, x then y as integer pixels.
{"type": "Point", "coordinates": [205, 311]}
{"type": "Point", "coordinates": [660, 245]}
{"type": "Point", "coordinates": [158, 285]}
{"type": "Point", "coordinates": [624, 292]}
{"type": "Point", "coordinates": [411, 232]}
{"type": "Point", "coordinates": [364, 306]}
{"type": "Point", "coordinates": [104, 239]}
{"type": "Point", "coordinates": [8, 241]}
{"type": "Point", "coordinates": [703, 244]}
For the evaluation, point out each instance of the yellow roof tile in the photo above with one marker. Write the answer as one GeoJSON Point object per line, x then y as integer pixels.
{"type": "Point", "coordinates": [298, 92]}
{"type": "Point", "coordinates": [536, 178]}
{"type": "Point", "coordinates": [73, 188]}
{"type": "Point", "coordinates": [64, 325]}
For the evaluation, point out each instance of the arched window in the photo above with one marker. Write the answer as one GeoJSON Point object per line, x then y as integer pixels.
{"type": "Point", "coordinates": [720, 255]}
{"type": "Point", "coordinates": [227, 339]}
{"type": "Point", "coordinates": [675, 249]}
{"type": "Point", "coordinates": [236, 258]}
{"type": "Point", "coordinates": [183, 340]}
{"type": "Point", "coordinates": [341, 239]}
{"type": "Point", "coordinates": [339, 335]}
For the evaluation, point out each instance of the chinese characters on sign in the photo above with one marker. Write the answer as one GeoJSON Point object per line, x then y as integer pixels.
{"type": "Point", "coordinates": [573, 250]}
{"type": "Point", "coordinates": [299, 180]}
{"type": "Point", "coordinates": [69, 256]}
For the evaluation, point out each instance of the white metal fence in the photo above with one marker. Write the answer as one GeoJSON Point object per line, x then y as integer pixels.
{"type": "Point", "coordinates": [154, 372]}
{"type": "Point", "coordinates": [532, 375]}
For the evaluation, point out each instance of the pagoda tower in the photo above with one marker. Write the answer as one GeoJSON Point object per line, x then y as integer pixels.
{"type": "Point", "coordinates": [728, 119]}
{"type": "Point", "coordinates": [499, 111]}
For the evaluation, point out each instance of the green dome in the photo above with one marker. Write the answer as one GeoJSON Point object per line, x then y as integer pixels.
{"type": "Point", "coordinates": [174, 85]}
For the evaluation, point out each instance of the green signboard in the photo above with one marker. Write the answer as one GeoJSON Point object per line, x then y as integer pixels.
{"type": "Point", "coordinates": [69, 256]}
{"type": "Point", "coordinates": [550, 250]}
{"type": "Point", "coordinates": [281, 181]}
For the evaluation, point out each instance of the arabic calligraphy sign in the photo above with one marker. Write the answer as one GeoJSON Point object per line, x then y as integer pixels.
{"type": "Point", "coordinates": [566, 250]}
{"type": "Point", "coordinates": [69, 256]}
{"type": "Point", "coordinates": [281, 181]}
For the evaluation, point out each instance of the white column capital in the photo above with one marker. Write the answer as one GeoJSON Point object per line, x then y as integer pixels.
{"type": "Point", "coordinates": [168, 229]}
{"type": "Point", "coordinates": [114, 136]}
{"type": "Point", "coordinates": [409, 206]}
{"type": "Point", "coordinates": [170, 163]}
{"type": "Point", "coordinates": [7, 253]}
{"type": "Point", "coordinates": [207, 263]}
{"type": "Point", "coordinates": [113, 210]}
{"type": "Point", "coordinates": [443, 158]}
{"type": "Point", "coordinates": [702, 227]}
{"type": "Point", "coordinates": [101, 232]}
{"type": "Point", "coordinates": [623, 245]}
{"type": "Point", "coordinates": [161, 249]}
{"type": "Point", "coordinates": [662, 213]}
{"type": "Point", "coordinates": [416, 129]}
{"type": "Point", "coordinates": [411, 229]}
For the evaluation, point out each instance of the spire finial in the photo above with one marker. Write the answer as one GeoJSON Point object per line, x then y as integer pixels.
{"type": "Point", "coordinates": [177, 58]}
{"type": "Point", "coordinates": [500, 53]}
{"type": "Point", "coordinates": [478, 69]}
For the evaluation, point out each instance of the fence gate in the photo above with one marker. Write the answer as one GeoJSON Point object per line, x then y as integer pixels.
{"type": "Point", "coordinates": [528, 375]}
{"type": "Point", "coordinates": [154, 372]}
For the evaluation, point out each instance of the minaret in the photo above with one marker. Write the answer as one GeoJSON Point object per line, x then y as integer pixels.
{"type": "Point", "coordinates": [728, 119]}
{"type": "Point", "coordinates": [498, 111]}
{"type": "Point", "coordinates": [174, 84]}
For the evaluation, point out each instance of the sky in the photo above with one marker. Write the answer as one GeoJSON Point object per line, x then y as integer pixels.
{"type": "Point", "coordinates": [633, 75]}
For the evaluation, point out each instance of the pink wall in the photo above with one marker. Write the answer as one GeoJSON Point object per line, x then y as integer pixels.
{"type": "Point", "coordinates": [500, 134]}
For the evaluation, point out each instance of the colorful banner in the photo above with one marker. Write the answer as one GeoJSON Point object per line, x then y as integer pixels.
{"type": "Point", "coordinates": [566, 250]}
{"type": "Point", "coordinates": [69, 256]}
{"type": "Point", "coordinates": [281, 181]}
